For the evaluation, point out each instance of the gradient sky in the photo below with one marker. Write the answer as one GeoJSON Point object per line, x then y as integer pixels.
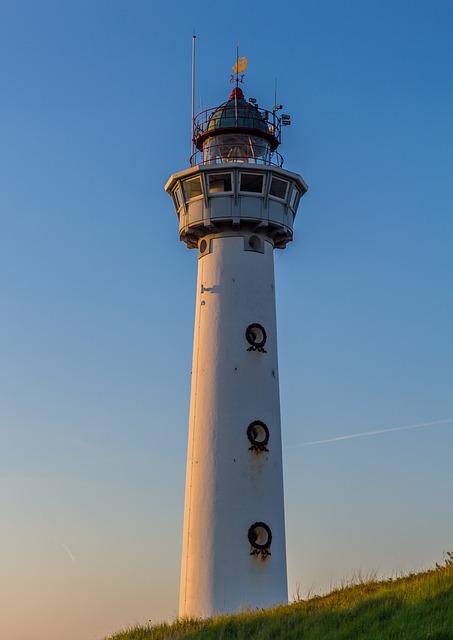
{"type": "Point", "coordinates": [97, 293]}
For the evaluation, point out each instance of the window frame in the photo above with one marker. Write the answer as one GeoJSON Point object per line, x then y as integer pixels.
{"type": "Point", "coordinates": [251, 173]}
{"type": "Point", "coordinates": [220, 173]}
{"type": "Point", "coordinates": [272, 195]}
{"type": "Point", "coordinates": [294, 198]}
{"type": "Point", "coordinates": [178, 196]}
{"type": "Point", "coordinates": [185, 190]}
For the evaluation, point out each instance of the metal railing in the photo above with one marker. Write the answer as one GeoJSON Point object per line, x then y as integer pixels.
{"type": "Point", "coordinates": [240, 153]}
{"type": "Point", "coordinates": [238, 114]}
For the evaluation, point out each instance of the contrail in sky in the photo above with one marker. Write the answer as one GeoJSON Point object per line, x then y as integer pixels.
{"type": "Point", "coordinates": [371, 433]}
{"type": "Point", "coordinates": [70, 554]}
{"type": "Point", "coordinates": [57, 541]}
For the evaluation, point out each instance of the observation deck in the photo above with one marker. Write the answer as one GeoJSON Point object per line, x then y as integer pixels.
{"type": "Point", "coordinates": [210, 198]}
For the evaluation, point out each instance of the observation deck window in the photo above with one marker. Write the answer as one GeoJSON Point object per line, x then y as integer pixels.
{"type": "Point", "coordinates": [220, 183]}
{"type": "Point", "coordinates": [177, 195]}
{"type": "Point", "coordinates": [192, 188]}
{"type": "Point", "coordinates": [251, 183]}
{"type": "Point", "coordinates": [294, 198]}
{"type": "Point", "coordinates": [278, 188]}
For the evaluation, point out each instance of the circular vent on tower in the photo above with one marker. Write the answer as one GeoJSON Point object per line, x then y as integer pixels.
{"type": "Point", "coordinates": [258, 435]}
{"type": "Point", "coordinates": [256, 337]}
{"type": "Point", "coordinates": [260, 538]}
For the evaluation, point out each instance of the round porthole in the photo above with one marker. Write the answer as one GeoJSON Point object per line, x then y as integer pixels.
{"type": "Point", "coordinates": [260, 536]}
{"type": "Point", "coordinates": [203, 246]}
{"type": "Point", "coordinates": [255, 243]}
{"type": "Point", "coordinates": [258, 435]}
{"type": "Point", "coordinates": [256, 335]}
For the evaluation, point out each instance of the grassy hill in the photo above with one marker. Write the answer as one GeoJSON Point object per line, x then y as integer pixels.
{"type": "Point", "coordinates": [414, 607]}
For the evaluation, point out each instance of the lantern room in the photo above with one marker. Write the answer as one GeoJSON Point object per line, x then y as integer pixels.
{"type": "Point", "coordinates": [237, 131]}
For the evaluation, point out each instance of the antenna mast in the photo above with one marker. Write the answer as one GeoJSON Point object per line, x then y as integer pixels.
{"type": "Point", "coordinates": [237, 84]}
{"type": "Point", "coordinates": [192, 148]}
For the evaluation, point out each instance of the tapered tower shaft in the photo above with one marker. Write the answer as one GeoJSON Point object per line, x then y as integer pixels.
{"type": "Point", "coordinates": [230, 484]}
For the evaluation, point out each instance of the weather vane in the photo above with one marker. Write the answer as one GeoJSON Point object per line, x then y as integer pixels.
{"type": "Point", "coordinates": [241, 65]}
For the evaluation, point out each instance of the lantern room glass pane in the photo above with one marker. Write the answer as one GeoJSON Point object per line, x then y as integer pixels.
{"type": "Point", "coordinates": [219, 182]}
{"type": "Point", "coordinates": [278, 188]}
{"type": "Point", "coordinates": [236, 147]}
{"type": "Point", "coordinates": [251, 182]}
{"type": "Point", "coordinates": [192, 188]}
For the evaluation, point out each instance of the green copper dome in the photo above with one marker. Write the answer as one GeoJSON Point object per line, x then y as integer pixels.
{"type": "Point", "coordinates": [237, 112]}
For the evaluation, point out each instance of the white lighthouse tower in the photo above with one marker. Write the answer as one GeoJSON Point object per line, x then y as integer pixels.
{"type": "Point", "coordinates": [235, 204]}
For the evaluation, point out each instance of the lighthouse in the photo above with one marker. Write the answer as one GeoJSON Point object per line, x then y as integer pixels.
{"type": "Point", "coordinates": [235, 205]}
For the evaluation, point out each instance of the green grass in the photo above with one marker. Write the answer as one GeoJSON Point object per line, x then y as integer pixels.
{"type": "Point", "coordinates": [414, 607]}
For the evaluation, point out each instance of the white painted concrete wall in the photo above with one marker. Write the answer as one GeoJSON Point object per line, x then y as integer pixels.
{"type": "Point", "coordinates": [229, 487]}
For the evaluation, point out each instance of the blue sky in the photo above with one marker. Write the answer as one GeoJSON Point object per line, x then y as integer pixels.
{"type": "Point", "coordinates": [97, 293]}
